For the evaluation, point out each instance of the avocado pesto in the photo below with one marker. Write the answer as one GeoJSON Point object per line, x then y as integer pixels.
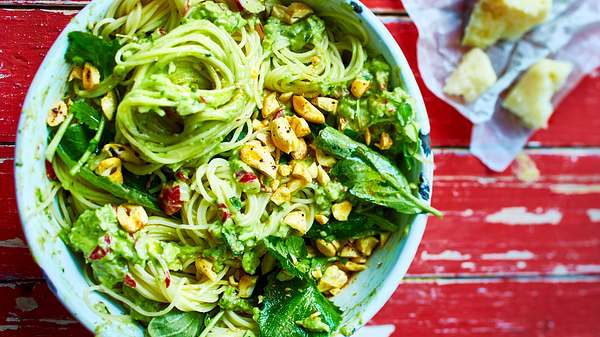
{"type": "Point", "coordinates": [226, 168]}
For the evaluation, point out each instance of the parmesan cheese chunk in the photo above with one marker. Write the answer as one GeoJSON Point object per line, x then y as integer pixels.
{"type": "Point", "coordinates": [473, 76]}
{"type": "Point", "coordinates": [493, 20]}
{"type": "Point", "coordinates": [531, 98]}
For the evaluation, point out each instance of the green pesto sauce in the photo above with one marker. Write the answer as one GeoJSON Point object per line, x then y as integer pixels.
{"type": "Point", "coordinates": [297, 35]}
{"type": "Point", "coordinates": [220, 15]}
{"type": "Point", "coordinates": [328, 194]}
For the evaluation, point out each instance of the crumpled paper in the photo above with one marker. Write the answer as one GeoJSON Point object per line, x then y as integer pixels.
{"type": "Point", "coordinates": [572, 33]}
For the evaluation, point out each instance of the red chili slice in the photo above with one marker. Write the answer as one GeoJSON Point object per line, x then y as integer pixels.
{"type": "Point", "coordinates": [170, 199]}
{"type": "Point", "coordinates": [168, 280]}
{"type": "Point", "coordinates": [50, 171]}
{"type": "Point", "coordinates": [98, 253]}
{"type": "Point", "coordinates": [246, 177]}
{"type": "Point", "coordinates": [129, 281]}
{"type": "Point", "coordinates": [225, 214]}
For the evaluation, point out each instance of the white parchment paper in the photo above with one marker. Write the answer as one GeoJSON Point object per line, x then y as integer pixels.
{"type": "Point", "coordinates": [572, 34]}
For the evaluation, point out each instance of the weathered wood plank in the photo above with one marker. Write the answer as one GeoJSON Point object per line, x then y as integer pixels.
{"type": "Point", "coordinates": [494, 308]}
{"type": "Point", "coordinates": [494, 224]}
{"type": "Point", "coordinates": [574, 123]}
{"type": "Point", "coordinates": [385, 6]}
{"type": "Point", "coordinates": [460, 307]}
{"type": "Point", "coordinates": [27, 34]}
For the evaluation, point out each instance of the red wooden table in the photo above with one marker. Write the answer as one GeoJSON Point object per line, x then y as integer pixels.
{"type": "Point", "coordinates": [509, 258]}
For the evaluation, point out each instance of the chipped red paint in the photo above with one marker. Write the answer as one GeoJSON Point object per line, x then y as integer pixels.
{"type": "Point", "coordinates": [541, 279]}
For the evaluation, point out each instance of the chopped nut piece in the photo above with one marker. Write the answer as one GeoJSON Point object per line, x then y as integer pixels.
{"type": "Point", "coordinates": [298, 11]}
{"type": "Point", "coordinates": [281, 195]}
{"type": "Point", "coordinates": [367, 136]}
{"type": "Point", "coordinates": [326, 103]}
{"type": "Point", "coordinates": [322, 176]}
{"type": "Point", "coordinates": [316, 273]}
{"type": "Point", "coordinates": [123, 152]}
{"type": "Point", "coordinates": [325, 160]}
{"type": "Point", "coordinates": [341, 210]}
{"type": "Point", "coordinates": [300, 126]}
{"type": "Point", "coordinates": [333, 277]}
{"type": "Point", "coordinates": [366, 245]}
{"type": "Point", "coordinates": [132, 217]}
{"type": "Point", "coordinates": [301, 150]}
{"type": "Point", "coordinates": [76, 73]}
{"type": "Point", "coordinates": [282, 135]}
{"type": "Point", "coordinates": [57, 114]}
{"type": "Point", "coordinates": [285, 170]}
{"type": "Point", "coordinates": [246, 285]}
{"type": "Point", "coordinates": [90, 76]}
{"type": "Point", "coordinates": [384, 237]}
{"type": "Point", "coordinates": [257, 125]}
{"type": "Point", "coordinates": [321, 219]}
{"type": "Point", "coordinates": [258, 156]}
{"type": "Point", "coordinates": [111, 168]}
{"type": "Point", "coordinates": [342, 123]}
{"type": "Point", "coordinates": [359, 87]}
{"type": "Point", "coordinates": [274, 184]}
{"type": "Point", "coordinates": [205, 267]}
{"type": "Point", "coordinates": [286, 97]}
{"type": "Point", "coordinates": [301, 171]}
{"type": "Point", "coordinates": [296, 220]}
{"type": "Point", "coordinates": [313, 169]}
{"type": "Point", "coordinates": [326, 248]}
{"type": "Point", "coordinates": [296, 184]}
{"type": "Point", "coordinates": [360, 260]}
{"type": "Point", "coordinates": [305, 109]}
{"type": "Point", "coordinates": [335, 291]}
{"type": "Point", "coordinates": [353, 266]}
{"type": "Point", "coordinates": [349, 251]}
{"type": "Point", "coordinates": [385, 141]}
{"type": "Point", "coordinates": [108, 103]}
{"type": "Point", "coordinates": [270, 105]}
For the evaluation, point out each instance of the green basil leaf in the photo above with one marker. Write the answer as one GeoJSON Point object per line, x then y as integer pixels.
{"type": "Point", "coordinates": [87, 47]}
{"type": "Point", "coordinates": [176, 324]}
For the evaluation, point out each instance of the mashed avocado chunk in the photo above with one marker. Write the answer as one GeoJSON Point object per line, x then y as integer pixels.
{"type": "Point", "coordinates": [106, 246]}
{"type": "Point", "coordinates": [219, 14]}
{"type": "Point", "coordinates": [230, 300]}
{"type": "Point", "coordinates": [313, 323]}
{"type": "Point", "coordinates": [328, 194]}
{"type": "Point", "coordinates": [297, 35]}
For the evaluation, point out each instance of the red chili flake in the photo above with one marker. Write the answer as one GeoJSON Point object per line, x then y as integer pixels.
{"type": "Point", "coordinates": [162, 31]}
{"type": "Point", "coordinates": [129, 281]}
{"type": "Point", "coordinates": [170, 199]}
{"type": "Point", "coordinates": [182, 175]}
{"type": "Point", "coordinates": [246, 177]}
{"type": "Point", "coordinates": [239, 5]}
{"type": "Point", "coordinates": [98, 253]}
{"type": "Point", "coordinates": [202, 99]}
{"type": "Point", "coordinates": [107, 238]}
{"type": "Point", "coordinates": [50, 171]}
{"type": "Point", "coordinates": [168, 279]}
{"type": "Point", "coordinates": [225, 214]}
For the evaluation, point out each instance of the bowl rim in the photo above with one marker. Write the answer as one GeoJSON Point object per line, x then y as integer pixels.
{"type": "Point", "coordinates": [410, 242]}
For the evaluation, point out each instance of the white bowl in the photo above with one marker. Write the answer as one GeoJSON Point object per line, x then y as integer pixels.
{"type": "Point", "coordinates": [360, 300]}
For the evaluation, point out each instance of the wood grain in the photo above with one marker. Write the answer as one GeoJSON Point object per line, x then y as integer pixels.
{"type": "Point", "coordinates": [378, 6]}
{"type": "Point", "coordinates": [27, 34]}
{"type": "Point", "coordinates": [458, 307]}
{"type": "Point", "coordinates": [494, 224]}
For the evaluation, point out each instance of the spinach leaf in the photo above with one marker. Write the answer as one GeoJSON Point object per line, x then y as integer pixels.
{"type": "Point", "coordinates": [176, 324]}
{"type": "Point", "coordinates": [291, 253]}
{"type": "Point", "coordinates": [369, 175]}
{"type": "Point", "coordinates": [86, 114]}
{"type": "Point", "coordinates": [121, 191]}
{"type": "Point", "coordinates": [286, 303]}
{"type": "Point", "coordinates": [87, 47]}
{"type": "Point", "coordinates": [357, 226]}
{"type": "Point", "coordinates": [76, 139]}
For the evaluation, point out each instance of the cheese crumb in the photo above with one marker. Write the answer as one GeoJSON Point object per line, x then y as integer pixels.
{"type": "Point", "coordinates": [493, 20]}
{"type": "Point", "coordinates": [473, 76]}
{"type": "Point", "coordinates": [531, 98]}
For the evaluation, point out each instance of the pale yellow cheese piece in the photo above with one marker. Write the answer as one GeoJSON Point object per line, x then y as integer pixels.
{"type": "Point", "coordinates": [493, 20]}
{"type": "Point", "coordinates": [473, 76]}
{"type": "Point", "coordinates": [531, 98]}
